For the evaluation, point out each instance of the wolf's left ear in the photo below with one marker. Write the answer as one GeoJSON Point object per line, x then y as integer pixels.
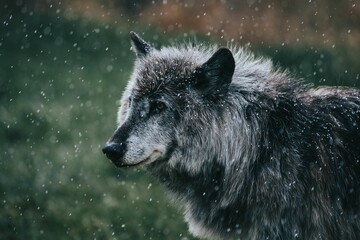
{"type": "Point", "coordinates": [140, 47]}
{"type": "Point", "coordinates": [216, 74]}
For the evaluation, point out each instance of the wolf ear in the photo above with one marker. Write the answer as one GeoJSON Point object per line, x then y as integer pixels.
{"type": "Point", "coordinates": [216, 74]}
{"type": "Point", "coordinates": [141, 48]}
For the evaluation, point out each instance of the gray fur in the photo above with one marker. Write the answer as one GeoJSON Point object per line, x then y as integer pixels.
{"type": "Point", "coordinates": [249, 153]}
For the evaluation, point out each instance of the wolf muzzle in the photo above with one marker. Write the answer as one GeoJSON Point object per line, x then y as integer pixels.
{"type": "Point", "coordinates": [114, 151]}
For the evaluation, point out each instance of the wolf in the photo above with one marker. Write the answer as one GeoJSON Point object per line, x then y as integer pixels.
{"type": "Point", "coordinates": [248, 150]}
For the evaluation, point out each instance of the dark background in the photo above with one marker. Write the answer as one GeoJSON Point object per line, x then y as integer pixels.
{"type": "Point", "coordinates": [63, 67]}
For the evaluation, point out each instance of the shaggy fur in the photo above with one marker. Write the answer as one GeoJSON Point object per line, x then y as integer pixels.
{"type": "Point", "coordinates": [248, 151]}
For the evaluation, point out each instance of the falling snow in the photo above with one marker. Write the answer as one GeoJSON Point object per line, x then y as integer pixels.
{"type": "Point", "coordinates": [64, 65]}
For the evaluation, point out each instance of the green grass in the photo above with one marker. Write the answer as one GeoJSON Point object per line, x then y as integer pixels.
{"type": "Point", "coordinates": [338, 66]}
{"type": "Point", "coordinates": [60, 80]}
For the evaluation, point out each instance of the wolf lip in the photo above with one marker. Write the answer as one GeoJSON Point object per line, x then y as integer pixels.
{"type": "Point", "coordinates": [153, 157]}
{"type": "Point", "coordinates": [126, 165]}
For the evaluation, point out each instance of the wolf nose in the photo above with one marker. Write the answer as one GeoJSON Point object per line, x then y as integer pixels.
{"type": "Point", "coordinates": [114, 151]}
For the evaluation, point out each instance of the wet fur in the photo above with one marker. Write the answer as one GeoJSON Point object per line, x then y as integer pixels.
{"type": "Point", "coordinates": [263, 157]}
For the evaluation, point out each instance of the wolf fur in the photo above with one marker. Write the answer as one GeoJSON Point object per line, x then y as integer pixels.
{"type": "Point", "coordinates": [248, 151]}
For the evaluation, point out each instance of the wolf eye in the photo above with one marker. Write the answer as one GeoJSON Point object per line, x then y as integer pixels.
{"type": "Point", "coordinates": [158, 106]}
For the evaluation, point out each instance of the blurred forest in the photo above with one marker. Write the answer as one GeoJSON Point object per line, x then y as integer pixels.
{"type": "Point", "coordinates": [63, 67]}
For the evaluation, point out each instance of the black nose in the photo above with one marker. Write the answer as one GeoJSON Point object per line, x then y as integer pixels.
{"type": "Point", "coordinates": [114, 151]}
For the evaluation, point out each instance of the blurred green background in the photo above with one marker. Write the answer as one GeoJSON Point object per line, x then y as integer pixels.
{"type": "Point", "coordinates": [63, 67]}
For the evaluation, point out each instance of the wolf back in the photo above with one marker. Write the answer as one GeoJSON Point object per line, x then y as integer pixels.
{"type": "Point", "coordinates": [249, 151]}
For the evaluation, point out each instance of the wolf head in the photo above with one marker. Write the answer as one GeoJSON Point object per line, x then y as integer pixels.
{"type": "Point", "coordinates": [166, 92]}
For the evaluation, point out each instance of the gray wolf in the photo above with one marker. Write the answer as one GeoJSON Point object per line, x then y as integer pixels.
{"type": "Point", "coordinates": [247, 150]}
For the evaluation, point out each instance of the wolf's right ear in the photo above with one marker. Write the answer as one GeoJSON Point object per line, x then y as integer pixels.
{"type": "Point", "coordinates": [140, 47]}
{"type": "Point", "coordinates": [216, 74]}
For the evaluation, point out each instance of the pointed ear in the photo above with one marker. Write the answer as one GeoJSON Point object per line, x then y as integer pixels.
{"type": "Point", "coordinates": [216, 74]}
{"type": "Point", "coordinates": [141, 48]}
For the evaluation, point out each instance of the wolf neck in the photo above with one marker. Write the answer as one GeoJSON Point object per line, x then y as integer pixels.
{"type": "Point", "coordinates": [203, 196]}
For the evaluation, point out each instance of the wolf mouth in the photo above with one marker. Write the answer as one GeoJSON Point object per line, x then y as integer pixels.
{"type": "Point", "coordinates": [153, 157]}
